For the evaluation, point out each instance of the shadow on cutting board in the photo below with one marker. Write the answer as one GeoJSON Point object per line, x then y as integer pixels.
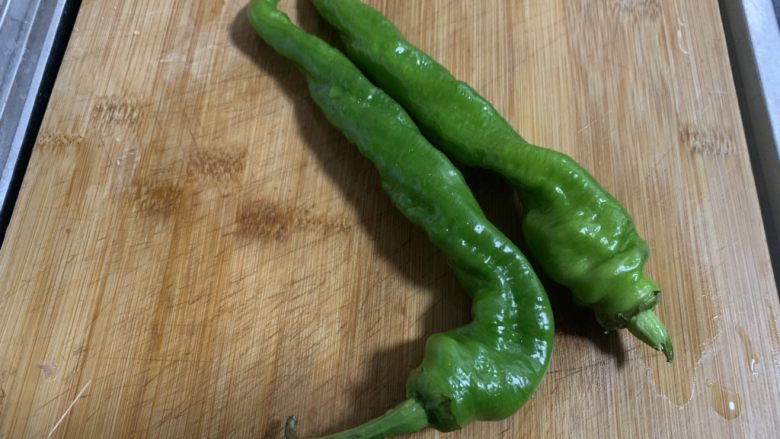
{"type": "Point", "coordinates": [388, 368]}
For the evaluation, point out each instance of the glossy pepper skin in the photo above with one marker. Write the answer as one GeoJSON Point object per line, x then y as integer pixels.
{"type": "Point", "coordinates": [581, 236]}
{"type": "Point", "coordinates": [488, 368]}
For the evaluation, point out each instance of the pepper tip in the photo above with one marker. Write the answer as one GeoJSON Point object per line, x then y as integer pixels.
{"type": "Point", "coordinates": [289, 428]}
{"type": "Point", "coordinates": [668, 349]}
{"type": "Point", "coordinates": [647, 327]}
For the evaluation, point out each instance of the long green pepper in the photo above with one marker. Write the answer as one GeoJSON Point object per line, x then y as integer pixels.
{"type": "Point", "coordinates": [488, 368]}
{"type": "Point", "coordinates": [580, 235]}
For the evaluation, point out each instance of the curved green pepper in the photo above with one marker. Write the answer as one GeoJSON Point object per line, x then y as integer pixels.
{"type": "Point", "coordinates": [580, 235]}
{"type": "Point", "coordinates": [488, 368]}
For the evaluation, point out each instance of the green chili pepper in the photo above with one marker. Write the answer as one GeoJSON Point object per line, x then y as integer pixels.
{"type": "Point", "coordinates": [580, 235]}
{"type": "Point", "coordinates": [488, 368]}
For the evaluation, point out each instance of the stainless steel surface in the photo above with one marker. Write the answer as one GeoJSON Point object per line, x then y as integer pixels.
{"type": "Point", "coordinates": [754, 31]}
{"type": "Point", "coordinates": [763, 36]}
{"type": "Point", "coordinates": [27, 30]}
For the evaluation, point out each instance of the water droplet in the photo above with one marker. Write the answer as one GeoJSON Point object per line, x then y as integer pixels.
{"type": "Point", "coordinates": [750, 353]}
{"type": "Point", "coordinates": [727, 403]}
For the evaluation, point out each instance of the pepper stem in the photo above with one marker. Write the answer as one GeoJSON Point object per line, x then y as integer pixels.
{"type": "Point", "coordinates": [647, 327]}
{"type": "Point", "coordinates": [408, 417]}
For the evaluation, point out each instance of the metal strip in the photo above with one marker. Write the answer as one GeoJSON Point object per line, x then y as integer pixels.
{"type": "Point", "coordinates": [754, 33]}
{"type": "Point", "coordinates": [33, 37]}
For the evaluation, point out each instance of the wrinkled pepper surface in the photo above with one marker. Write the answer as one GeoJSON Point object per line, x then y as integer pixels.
{"type": "Point", "coordinates": [581, 236]}
{"type": "Point", "coordinates": [488, 368]}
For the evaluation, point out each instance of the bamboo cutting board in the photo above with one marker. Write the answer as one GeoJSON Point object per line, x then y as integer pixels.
{"type": "Point", "coordinates": [196, 252]}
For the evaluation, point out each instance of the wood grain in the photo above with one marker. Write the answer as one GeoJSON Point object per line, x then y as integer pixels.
{"type": "Point", "coordinates": [199, 253]}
